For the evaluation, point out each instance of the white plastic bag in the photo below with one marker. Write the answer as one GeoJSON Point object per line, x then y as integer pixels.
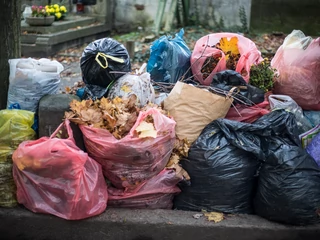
{"type": "Point", "coordinates": [137, 84]}
{"type": "Point", "coordinates": [288, 104]}
{"type": "Point", "coordinates": [30, 80]}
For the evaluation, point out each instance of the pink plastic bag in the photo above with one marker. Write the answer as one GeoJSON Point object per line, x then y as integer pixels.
{"type": "Point", "coordinates": [248, 114]}
{"type": "Point", "coordinates": [155, 193]}
{"type": "Point", "coordinates": [54, 176]}
{"type": "Point", "coordinates": [131, 160]}
{"type": "Point", "coordinates": [298, 64]}
{"type": "Point", "coordinates": [249, 55]}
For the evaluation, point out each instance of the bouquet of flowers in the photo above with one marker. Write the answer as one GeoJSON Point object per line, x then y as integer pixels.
{"type": "Point", "coordinates": [39, 11]}
{"type": "Point", "coordinates": [56, 10]}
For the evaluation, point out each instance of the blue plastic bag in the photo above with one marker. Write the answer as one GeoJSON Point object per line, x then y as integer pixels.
{"type": "Point", "coordinates": [313, 149]}
{"type": "Point", "coordinates": [169, 59]}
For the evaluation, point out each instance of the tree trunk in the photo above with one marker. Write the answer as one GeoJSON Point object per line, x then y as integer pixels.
{"type": "Point", "coordinates": [10, 19]}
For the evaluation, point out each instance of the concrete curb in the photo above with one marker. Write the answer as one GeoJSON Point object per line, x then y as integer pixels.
{"type": "Point", "coordinates": [133, 224]}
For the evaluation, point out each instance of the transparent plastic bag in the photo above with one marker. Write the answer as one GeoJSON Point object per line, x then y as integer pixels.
{"type": "Point", "coordinates": [30, 80]}
{"type": "Point", "coordinates": [298, 70]}
{"type": "Point", "coordinates": [131, 160]}
{"type": "Point", "coordinates": [248, 114]}
{"type": "Point", "coordinates": [134, 84]}
{"type": "Point", "coordinates": [155, 193]}
{"type": "Point", "coordinates": [54, 176]}
{"type": "Point", "coordinates": [15, 127]}
{"type": "Point", "coordinates": [287, 103]}
{"type": "Point", "coordinates": [249, 55]}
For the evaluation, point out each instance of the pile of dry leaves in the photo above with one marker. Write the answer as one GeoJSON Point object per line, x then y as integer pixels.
{"type": "Point", "coordinates": [116, 115]}
{"type": "Point", "coordinates": [180, 150]}
{"type": "Point", "coordinates": [231, 52]}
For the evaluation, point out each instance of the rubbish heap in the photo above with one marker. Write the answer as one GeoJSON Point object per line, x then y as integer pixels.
{"type": "Point", "coordinates": [216, 129]}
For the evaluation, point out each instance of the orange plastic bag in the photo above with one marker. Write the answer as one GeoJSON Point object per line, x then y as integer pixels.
{"type": "Point", "coordinates": [54, 176]}
{"type": "Point", "coordinates": [249, 54]}
{"type": "Point", "coordinates": [155, 193]}
{"type": "Point", "coordinates": [129, 161]}
{"type": "Point", "coordinates": [298, 65]}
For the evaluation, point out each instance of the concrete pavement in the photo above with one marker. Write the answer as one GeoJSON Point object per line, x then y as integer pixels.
{"type": "Point", "coordinates": [133, 224]}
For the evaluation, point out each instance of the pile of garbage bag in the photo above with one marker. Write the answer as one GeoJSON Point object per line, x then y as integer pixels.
{"type": "Point", "coordinates": [192, 129]}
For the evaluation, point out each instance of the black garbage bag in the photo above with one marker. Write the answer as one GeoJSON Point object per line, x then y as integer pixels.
{"type": "Point", "coordinates": [223, 161]}
{"type": "Point", "coordinates": [289, 179]}
{"type": "Point", "coordinates": [102, 62]}
{"type": "Point", "coordinates": [228, 79]}
{"type": "Point", "coordinates": [95, 92]}
{"type": "Point", "coordinates": [222, 164]}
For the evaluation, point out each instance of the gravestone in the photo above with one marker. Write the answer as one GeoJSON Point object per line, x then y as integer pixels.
{"type": "Point", "coordinates": [51, 113]}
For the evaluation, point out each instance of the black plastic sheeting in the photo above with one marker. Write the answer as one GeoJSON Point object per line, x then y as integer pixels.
{"type": "Point", "coordinates": [226, 159]}
{"type": "Point", "coordinates": [228, 79]}
{"type": "Point", "coordinates": [98, 79]}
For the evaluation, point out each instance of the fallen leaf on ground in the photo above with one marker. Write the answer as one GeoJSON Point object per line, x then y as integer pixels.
{"type": "Point", "coordinates": [214, 216]}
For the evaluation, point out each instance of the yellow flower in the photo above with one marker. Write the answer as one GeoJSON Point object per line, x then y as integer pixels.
{"type": "Point", "coordinates": [63, 9]}
{"type": "Point", "coordinates": [56, 6]}
{"type": "Point", "coordinates": [58, 15]}
{"type": "Point", "coordinates": [57, 10]}
{"type": "Point", "coordinates": [52, 10]}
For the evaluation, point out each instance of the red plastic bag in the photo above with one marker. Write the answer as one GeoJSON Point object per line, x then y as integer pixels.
{"type": "Point", "coordinates": [155, 193]}
{"type": "Point", "coordinates": [129, 161]}
{"type": "Point", "coordinates": [54, 176]}
{"type": "Point", "coordinates": [298, 64]}
{"type": "Point", "coordinates": [249, 54]}
{"type": "Point", "coordinates": [243, 113]}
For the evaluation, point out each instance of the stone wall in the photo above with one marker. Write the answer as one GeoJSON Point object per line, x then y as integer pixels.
{"type": "Point", "coordinates": [286, 15]}
{"type": "Point", "coordinates": [260, 15]}
{"type": "Point", "coordinates": [207, 10]}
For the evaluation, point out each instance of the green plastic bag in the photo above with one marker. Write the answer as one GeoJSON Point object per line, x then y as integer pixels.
{"type": "Point", "coordinates": [15, 127]}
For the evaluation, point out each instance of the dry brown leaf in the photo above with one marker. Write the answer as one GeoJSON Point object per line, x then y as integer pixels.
{"type": "Point", "coordinates": [69, 115]}
{"type": "Point", "coordinates": [131, 103]}
{"type": "Point", "coordinates": [174, 164]}
{"type": "Point", "coordinates": [132, 120]}
{"type": "Point", "coordinates": [105, 104]}
{"type": "Point", "coordinates": [98, 124]}
{"type": "Point", "coordinates": [68, 89]}
{"type": "Point", "coordinates": [181, 147]}
{"type": "Point", "coordinates": [112, 122]}
{"type": "Point", "coordinates": [91, 116]}
{"type": "Point", "coordinates": [117, 115]}
{"type": "Point", "coordinates": [78, 121]}
{"type": "Point", "coordinates": [123, 119]}
{"type": "Point", "coordinates": [146, 129]}
{"type": "Point", "coordinates": [174, 159]}
{"type": "Point", "coordinates": [214, 216]}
